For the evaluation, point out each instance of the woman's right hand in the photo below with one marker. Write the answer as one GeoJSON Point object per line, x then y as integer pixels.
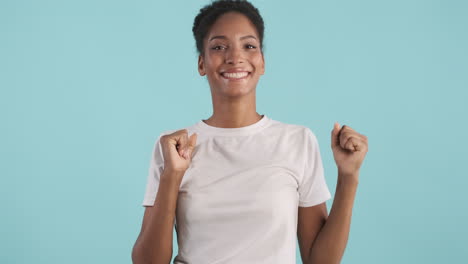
{"type": "Point", "coordinates": [177, 150]}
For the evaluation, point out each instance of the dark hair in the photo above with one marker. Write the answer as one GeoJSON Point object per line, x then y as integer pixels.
{"type": "Point", "coordinates": [209, 13]}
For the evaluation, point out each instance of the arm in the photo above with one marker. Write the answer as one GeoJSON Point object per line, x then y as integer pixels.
{"type": "Point", "coordinates": [154, 243]}
{"type": "Point", "coordinates": [310, 221]}
{"type": "Point", "coordinates": [330, 243]}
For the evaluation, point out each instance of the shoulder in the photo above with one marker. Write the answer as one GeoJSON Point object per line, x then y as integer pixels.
{"type": "Point", "coordinates": [298, 131]}
{"type": "Point", "coordinates": [190, 129]}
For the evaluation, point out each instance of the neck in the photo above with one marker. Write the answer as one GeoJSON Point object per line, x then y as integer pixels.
{"type": "Point", "coordinates": [234, 112]}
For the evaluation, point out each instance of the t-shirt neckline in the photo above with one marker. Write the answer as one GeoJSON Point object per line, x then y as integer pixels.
{"type": "Point", "coordinates": [252, 128]}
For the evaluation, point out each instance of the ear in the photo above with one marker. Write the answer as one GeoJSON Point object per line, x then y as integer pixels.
{"type": "Point", "coordinates": [262, 69]}
{"type": "Point", "coordinates": [201, 65]}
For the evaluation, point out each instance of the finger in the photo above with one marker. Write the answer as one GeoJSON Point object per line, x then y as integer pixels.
{"type": "Point", "coordinates": [343, 138]}
{"type": "Point", "coordinates": [361, 136]}
{"type": "Point", "coordinates": [345, 135]}
{"type": "Point", "coordinates": [350, 143]}
{"type": "Point", "coordinates": [191, 145]}
{"type": "Point", "coordinates": [181, 138]}
{"type": "Point", "coordinates": [348, 128]}
{"type": "Point", "coordinates": [361, 146]}
{"type": "Point", "coordinates": [358, 146]}
{"type": "Point", "coordinates": [364, 137]}
{"type": "Point", "coordinates": [335, 135]}
{"type": "Point", "coordinates": [354, 144]}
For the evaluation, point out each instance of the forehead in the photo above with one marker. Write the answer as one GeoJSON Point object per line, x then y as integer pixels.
{"type": "Point", "coordinates": [232, 24]}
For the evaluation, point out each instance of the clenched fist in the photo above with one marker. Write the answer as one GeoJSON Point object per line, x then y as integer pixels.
{"type": "Point", "coordinates": [177, 150]}
{"type": "Point", "coordinates": [349, 149]}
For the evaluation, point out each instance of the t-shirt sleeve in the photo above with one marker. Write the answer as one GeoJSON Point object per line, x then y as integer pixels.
{"type": "Point", "coordinates": [313, 188]}
{"type": "Point", "coordinates": [155, 169]}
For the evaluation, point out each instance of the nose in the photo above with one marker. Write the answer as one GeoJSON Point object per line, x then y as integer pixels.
{"type": "Point", "coordinates": [234, 56]}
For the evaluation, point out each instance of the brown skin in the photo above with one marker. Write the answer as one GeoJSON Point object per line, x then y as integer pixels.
{"type": "Point", "coordinates": [177, 150]}
{"type": "Point", "coordinates": [234, 102]}
{"type": "Point", "coordinates": [154, 243]}
{"type": "Point", "coordinates": [322, 238]}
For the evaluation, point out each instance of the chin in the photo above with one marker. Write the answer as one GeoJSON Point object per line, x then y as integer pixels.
{"type": "Point", "coordinates": [238, 91]}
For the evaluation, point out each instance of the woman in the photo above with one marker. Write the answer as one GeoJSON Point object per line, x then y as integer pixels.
{"type": "Point", "coordinates": [242, 185]}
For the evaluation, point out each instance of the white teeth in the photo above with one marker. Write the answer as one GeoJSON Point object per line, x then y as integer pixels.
{"type": "Point", "coordinates": [235, 74]}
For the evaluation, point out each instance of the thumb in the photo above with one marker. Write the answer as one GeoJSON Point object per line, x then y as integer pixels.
{"type": "Point", "coordinates": [334, 135]}
{"type": "Point", "coordinates": [191, 145]}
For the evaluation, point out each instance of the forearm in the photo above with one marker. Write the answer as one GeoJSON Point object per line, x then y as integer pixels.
{"type": "Point", "coordinates": [154, 244]}
{"type": "Point", "coordinates": [330, 244]}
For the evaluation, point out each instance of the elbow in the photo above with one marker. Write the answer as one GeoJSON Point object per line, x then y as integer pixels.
{"type": "Point", "coordinates": [138, 256]}
{"type": "Point", "coordinates": [323, 262]}
{"type": "Point", "coordinates": [323, 257]}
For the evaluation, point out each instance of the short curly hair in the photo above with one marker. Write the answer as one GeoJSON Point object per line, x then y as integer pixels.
{"type": "Point", "coordinates": [211, 12]}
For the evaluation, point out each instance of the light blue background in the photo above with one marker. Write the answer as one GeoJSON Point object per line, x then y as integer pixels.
{"type": "Point", "coordinates": [87, 86]}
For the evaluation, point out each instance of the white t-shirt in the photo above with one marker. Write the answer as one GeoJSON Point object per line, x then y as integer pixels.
{"type": "Point", "coordinates": [238, 201]}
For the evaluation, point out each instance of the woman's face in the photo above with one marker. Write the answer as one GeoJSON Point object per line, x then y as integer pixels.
{"type": "Point", "coordinates": [232, 61]}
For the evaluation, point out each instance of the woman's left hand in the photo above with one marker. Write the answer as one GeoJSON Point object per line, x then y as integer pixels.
{"type": "Point", "coordinates": [349, 149]}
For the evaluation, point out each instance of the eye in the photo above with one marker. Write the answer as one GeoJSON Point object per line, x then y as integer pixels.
{"type": "Point", "coordinates": [218, 47]}
{"type": "Point", "coordinates": [248, 46]}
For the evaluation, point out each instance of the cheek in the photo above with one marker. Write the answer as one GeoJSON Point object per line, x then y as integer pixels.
{"type": "Point", "coordinates": [212, 62]}
{"type": "Point", "coordinates": [257, 61]}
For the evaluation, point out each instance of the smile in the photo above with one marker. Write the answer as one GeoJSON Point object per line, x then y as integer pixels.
{"type": "Point", "coordinates": [235, 75]}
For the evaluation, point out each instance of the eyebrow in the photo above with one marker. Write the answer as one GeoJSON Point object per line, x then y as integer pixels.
{"type": "Point", "coordinates": [224, 37]}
